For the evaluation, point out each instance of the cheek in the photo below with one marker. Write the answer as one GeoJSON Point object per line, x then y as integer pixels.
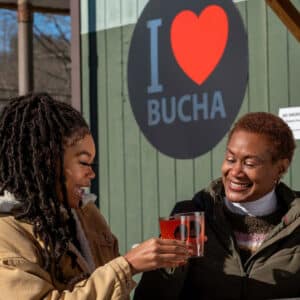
{"type": "Point", "coordinates": [259, 175]}
{"type": "Point", "coordinates": [265, 179]}
{"type": "Point", "coordinates": [72, 174]}
{"type": "Point", "coordinates": [224, 168]}
{"type": "Point", "coordinates": [68, 175]}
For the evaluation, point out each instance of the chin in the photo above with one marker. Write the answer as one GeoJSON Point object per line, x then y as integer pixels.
{"type": "Point", "coordinates": [236, 198]}
{"type": "Point", "coordinates": [233, 199]}
{"type": "Point", "coordinates": [74, 203]}
{"type": "Point", "coordinates": [239, 199]}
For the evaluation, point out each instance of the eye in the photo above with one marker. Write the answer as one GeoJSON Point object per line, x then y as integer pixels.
{"type": "Point", "coordinates": [250, 164]}
{"type": "Point", "coordinates": [86, 164]}
{"type": "Point", "coordinates": [230, 159]}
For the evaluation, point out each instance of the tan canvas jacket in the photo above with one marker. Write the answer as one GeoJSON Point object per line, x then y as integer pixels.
{"type": "Point", "coordinates": [23, 278]}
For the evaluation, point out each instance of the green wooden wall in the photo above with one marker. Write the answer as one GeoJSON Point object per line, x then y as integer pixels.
{"type": "Point", "coordinates": [137, 183]}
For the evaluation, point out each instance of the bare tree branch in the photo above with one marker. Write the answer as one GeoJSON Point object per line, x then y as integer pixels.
{"type": "Point", "coordinates": [51, 55]}
{"type": "Point", "coordinates": [41, 38]}
{"type": "Point", "coordinates": [61, 32]}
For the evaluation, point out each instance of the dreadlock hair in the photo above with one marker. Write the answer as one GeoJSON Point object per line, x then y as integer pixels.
{"type": "Point", "coordinates": [33, 132]}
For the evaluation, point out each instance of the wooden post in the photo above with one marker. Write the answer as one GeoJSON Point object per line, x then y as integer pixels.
{"type": "Point", "coordinates": [75, 55]}
{"type": "Point", "coordinates": [25, 47]}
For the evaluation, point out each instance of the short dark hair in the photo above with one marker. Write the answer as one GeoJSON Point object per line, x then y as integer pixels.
{"type": "Point", "coordinates": [33, 132]}
{"type": "Point", "coordinates": [273, 128]}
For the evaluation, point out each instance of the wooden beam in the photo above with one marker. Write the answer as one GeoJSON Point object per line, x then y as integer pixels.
{"type": "Point", "coordinates": [39, 9]}
{"type": "Point", "coordinates": [288, 14]}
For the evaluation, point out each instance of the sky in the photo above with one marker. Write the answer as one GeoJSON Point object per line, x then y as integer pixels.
{"type": "Point", "coordinates": [42, 24]}
{"type": "Point", "coordinates": [48, 27]}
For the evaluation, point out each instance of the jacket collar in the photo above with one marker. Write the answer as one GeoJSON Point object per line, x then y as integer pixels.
{"type": "Point", "coordinates": [210, 197]}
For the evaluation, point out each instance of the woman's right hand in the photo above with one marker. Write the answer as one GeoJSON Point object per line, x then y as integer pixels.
{"type": "Point", "coordinates": [157, 253]}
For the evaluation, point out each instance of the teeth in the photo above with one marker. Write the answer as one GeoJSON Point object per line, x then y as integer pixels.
{"type": "Point", "coordinates": [239, 185]}
{"type": "Point", "coordinates": [85, 190]}
{"type": "Point", "coordinates": [79, 191]}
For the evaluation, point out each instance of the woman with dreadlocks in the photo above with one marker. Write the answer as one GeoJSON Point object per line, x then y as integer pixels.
{"type": "Point", "coordinates": [54, 243]}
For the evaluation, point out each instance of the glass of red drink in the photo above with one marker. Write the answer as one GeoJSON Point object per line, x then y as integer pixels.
{"type": "Point", "coordinates": [192, 230]}
{"type": "Point", "coordinates": [169, 227]}
{"type": "Point", "coordinates": [189, 227]}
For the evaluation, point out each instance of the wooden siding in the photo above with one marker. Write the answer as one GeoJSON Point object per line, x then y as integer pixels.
{"type": "Point", "coordinates": [137, 183]}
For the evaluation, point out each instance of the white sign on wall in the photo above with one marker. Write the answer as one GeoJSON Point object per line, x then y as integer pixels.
{"type": "Point", "coordinates": [291, 115]}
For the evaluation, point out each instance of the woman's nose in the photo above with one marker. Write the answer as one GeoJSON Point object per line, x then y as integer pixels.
{"type": "Point", "coordinates": [236, 168]}
{"type": "Point", "coordinates": [91, 174]}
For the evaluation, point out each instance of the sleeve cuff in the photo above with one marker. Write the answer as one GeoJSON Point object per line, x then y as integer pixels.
{"type": "Point", "coordinates": [122, 269]}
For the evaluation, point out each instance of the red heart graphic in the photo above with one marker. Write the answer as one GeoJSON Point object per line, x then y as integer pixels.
{"type": "Point", "coordinates": [198, 43]}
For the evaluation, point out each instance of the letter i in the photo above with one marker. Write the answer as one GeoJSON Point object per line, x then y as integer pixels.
{"type": "Point", "coordinates": [155, 86]}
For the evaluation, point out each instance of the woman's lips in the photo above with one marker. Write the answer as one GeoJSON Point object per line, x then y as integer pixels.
{"type": "Point", "coordinates": [238, 186]}
{"type": "Point", "coordinates": [79, 192]}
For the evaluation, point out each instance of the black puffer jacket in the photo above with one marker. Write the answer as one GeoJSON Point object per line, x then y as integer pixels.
{"type": "Point", "coordinates": [271, 272]}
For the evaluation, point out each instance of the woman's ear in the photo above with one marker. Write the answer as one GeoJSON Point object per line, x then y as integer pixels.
{"type": "Point", "coordinates": [283, 166]}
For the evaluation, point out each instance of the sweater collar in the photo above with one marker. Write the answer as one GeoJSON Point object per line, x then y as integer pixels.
{"type": "Point", "coordinates": [263, 206]}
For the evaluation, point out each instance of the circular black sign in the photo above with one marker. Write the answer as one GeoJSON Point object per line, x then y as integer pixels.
{"type": "Point", "coordinates": [187, 73]}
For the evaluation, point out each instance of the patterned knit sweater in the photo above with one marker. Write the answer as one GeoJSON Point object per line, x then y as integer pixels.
{"type": "Point", "coordinates": [250, 232]}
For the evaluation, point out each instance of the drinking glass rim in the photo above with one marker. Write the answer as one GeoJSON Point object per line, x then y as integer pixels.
{"type": "Point", "coordinates": [167, 218]}
{"type": "Point", "coordinates": [190, 213]}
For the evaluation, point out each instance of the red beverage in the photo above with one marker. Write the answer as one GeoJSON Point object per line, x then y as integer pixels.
{"type": "Point", "coordinates": [188, 227]}
{"type": "Point", "coordinates": [169, 228]}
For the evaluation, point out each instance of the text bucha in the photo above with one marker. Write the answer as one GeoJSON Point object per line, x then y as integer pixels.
{"type": "Point", "coordinates": [188, 108]}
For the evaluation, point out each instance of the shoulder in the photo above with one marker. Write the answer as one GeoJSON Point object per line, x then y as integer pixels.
{"type": "Point", "coordinates": [184, 206]}
{"type": "Point", "coordinates": [10, 226]}
{"type": "Point", "coordinates": [17, 239]}
{"type": "Point", "coordinates": [202, 200]}
{"type": "Point", "coordinates": [286, 194]}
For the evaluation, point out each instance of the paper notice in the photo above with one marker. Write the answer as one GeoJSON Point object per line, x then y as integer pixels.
{"type": "Point", "coordinates": [291, 115]}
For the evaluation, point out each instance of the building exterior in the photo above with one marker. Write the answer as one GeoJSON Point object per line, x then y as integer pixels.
{"type": "Point", "coordinates": [136, 183]}
{"type": "Point", "coordinates": [35, 48]}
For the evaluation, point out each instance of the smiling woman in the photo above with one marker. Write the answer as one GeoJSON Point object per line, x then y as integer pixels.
{"type": "Point", "coordinates": [53, 240]}
{"type": "Point", "coordinates": [252, 223]}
